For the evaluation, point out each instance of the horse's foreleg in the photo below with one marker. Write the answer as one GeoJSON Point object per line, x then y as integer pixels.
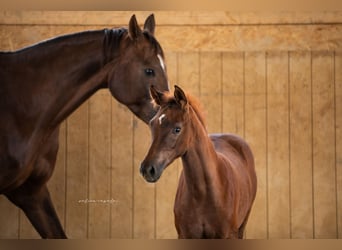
{"type": "Point", "coordinates": [39, 209]}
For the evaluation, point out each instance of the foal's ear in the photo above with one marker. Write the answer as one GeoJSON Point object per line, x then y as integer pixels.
{"type": "Point", "coordinates": [180, 96]}
{"type": "Point", "coordinates": [134, 30]}
{"type": "Point", "coordinates": [150, 24]}
{"type": "Point", "coordinates": [157, 96]}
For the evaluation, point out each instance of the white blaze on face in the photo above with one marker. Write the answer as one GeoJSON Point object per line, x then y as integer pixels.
{"type": "Point", "coordinates": [161, 62]}
{"type": "Point", "coordinates": [160, 119]}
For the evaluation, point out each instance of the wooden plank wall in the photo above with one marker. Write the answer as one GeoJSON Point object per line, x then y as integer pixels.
{"type": "Point", "coordinates": [275, 79]}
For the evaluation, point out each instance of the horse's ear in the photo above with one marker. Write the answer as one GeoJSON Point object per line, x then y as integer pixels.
{"type": "Point", "coordinates": [134, 30]}
{"type": "Point", "coordinates": [157, 96]}
{"type": "Point", "coordinates": [150, 24]}
{"type": "Point", "coordinates": [180, 96]}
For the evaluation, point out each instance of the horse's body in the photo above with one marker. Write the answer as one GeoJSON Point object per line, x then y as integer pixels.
{"type": "Point", "coordinates": [217, 186]}
{"type": "Point", "coordinates": [41, 85]}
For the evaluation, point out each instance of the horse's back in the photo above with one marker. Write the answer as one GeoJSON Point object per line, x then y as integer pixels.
{"type": "Point", "coordinates": [236, 151]}
{"type": "Point", "coordinates": [228, 144]}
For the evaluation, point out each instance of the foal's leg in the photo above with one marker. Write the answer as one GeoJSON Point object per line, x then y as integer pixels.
{"type": "Point", "coordinates": [39, 209]}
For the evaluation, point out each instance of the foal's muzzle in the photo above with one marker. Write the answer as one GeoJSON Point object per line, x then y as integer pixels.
{"type": "Point", "coordinates": [149, 172]}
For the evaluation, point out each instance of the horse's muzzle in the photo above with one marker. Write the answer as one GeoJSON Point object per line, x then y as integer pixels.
{"type": "Point", "coordinates": [149, 172]}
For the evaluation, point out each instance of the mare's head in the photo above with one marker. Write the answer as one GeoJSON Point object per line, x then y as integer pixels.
{"type": "Point", "coordinates": [139, 64]}
{"type": "Point", "coordinates": [172, 131]}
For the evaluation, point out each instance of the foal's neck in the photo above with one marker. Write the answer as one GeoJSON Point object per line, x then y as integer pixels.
{"type": "Point", "coordinates": [200, 162]}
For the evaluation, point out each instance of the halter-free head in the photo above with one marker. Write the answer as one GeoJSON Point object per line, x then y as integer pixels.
{"type": "Point", "coordinates": [171, 130]}
{"type": "Point", "coordinates": [138, 64]}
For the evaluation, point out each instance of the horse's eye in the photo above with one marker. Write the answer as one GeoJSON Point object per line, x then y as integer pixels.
{"type": "Point", "coordinates": [149, 72]}
{"type": "Point", "coordinates": [176, 130]}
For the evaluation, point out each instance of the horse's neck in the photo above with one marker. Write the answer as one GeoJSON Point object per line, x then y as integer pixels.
{"type": "Point", "coordinates": [66, 59]}
{"type": "Point", "coordinates": [200, 163]}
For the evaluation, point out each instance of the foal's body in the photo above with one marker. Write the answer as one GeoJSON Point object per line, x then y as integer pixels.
{"type": "Point", "coordinates": [218, 184]}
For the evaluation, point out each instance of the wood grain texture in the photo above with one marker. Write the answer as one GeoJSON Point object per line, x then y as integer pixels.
{"type": "Point", "coordinates": [301, 145]}
{"type": "Point", "coordinates": [169, 17]}
{"type": "Point", "coordinates": [323, 143]}
{"type": "Point", "coordinates": [100, 165]}
{"type": "Point", "coordinates": [255, 135]}
{"type": "Point", "coordinates": [144, 194]}
{"type": "Point", "coordinates": [9, 220]}
{"type": "Point", "coordinates": [122, 169]}
{"type": "Point", "coordinates": [211, 90]}
{"type": "Point", "coordinates": [233, 93]}
{"type": "Point", "coordinates": [338, 136]}
{"type": "Point", "coordinates": [278, 145]}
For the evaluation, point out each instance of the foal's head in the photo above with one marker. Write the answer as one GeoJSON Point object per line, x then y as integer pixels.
{"type": "Point", "coordinates": [172, 131]}
{"type": "Point", "coordinates": [139, 64]}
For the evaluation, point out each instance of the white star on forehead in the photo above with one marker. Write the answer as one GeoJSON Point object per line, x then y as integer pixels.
{"type": "Point", "coordinates": [161, 62]}
{"type": "Point", "coordinates": [160, 119]}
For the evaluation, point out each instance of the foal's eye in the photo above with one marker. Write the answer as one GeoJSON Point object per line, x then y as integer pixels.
{"type": "Point", "coordinates": [176, 130]}
{"type": "Point", "coordinates": [149, 72]}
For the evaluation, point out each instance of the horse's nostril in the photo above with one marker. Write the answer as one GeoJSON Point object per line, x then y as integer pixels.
{"type": "Point", "coordinates": [151, 171]}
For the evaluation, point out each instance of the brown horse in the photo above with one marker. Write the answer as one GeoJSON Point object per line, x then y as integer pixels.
{"type": "Point", "coordinates": [217, 186]}
{"type": "Point", "coordinates": [41, 85]}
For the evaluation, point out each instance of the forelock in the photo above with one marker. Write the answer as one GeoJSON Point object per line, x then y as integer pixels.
{"type": "Point", "coordinates": [153, 41]}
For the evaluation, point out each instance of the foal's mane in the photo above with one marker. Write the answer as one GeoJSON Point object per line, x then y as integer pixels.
{"type": "Point", "coordinates": [193, 102]}
{"type": "Point", "coordinates": [197, 108]}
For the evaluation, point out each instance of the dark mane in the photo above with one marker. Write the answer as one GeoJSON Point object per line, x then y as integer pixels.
{"type": "Point", "coordinates": [52, 41]}
{"type": "Point", "coordinates": [48, 46]}
{"type": "Point", "coordinates": [113, 37]}
{"type": "Point", "coordinates": [154, 43]}
{"type": "Point", "coordinates": [111, 42]}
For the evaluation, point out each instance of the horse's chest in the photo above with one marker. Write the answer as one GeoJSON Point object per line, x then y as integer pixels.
{"type": "Point", "coordinates": [13, 152]}
{"type": "Point", "coordinates": [200, 222]}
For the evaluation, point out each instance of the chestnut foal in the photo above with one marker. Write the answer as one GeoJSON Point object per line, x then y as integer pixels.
{"type": "Point", "coordinates": [218, 184]}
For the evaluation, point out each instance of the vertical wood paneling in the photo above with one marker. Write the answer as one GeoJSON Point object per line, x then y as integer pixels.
{"type": "Point", "coordinates": [278, 145]}
{"type": "Point", "coordinates": [324, 145]}
{"type": "Point", "coordinates": [189, 76]}
{"type": "Point", "coordinates": [77, 195]}
{"type": "Point", "coordinates": [338, 136]}
{"type": "Point", "coordinates": [26, 229]}
{"type": "Point", "coordinates": [255, 135]}
{"type": "Point", "coordinates": [99, 165]}
{"type": "Point", "coordinates": [210, 89]}
{"type": "Point", "coordinates": [144, 194]}
{"type": "Point", "coordinates": [9, 219]}
{"type": "Point", "coordinates": [122, 172]}
{"type": "Point", "coordinates": [300, 145]}
{"type": "Point", "coordinates": [166, 187]}
{"type": "Point", "coordinates": [233, 93]}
